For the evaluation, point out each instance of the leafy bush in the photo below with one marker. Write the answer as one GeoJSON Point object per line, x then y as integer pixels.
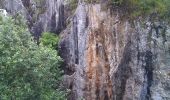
{"type": "Point", "coordinates": [49, 39]}
{"type": "Point", "coordinates": [27, 71]}
{"type": "Point", "coordinates": [144, 7]}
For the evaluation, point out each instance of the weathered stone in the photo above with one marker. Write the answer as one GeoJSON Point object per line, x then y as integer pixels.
{"type": "Point", "coordinates": [115, 59]}
{"type": "Point", "coordinates": [43, 15]}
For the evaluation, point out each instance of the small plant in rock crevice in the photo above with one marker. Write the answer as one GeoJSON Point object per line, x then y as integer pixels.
{"type": "Point", "coordinates": [49, 39]}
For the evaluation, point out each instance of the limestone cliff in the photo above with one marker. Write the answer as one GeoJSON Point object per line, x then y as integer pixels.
{"type": "Point", "coordinates": [115, 59]}
{"type": "Point", "coordinates": [41, 15]}
{"type": "Point", "coordinates": [106, 57]}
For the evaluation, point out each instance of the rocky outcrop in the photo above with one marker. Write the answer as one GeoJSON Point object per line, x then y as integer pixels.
{"type": "Point", "coordinates": [41, 15]}
{"type": "Point", "coordinates": [113, 59]}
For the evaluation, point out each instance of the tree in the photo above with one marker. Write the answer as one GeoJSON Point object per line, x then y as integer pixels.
{"type": "Point", "coordinates": [27, 71]}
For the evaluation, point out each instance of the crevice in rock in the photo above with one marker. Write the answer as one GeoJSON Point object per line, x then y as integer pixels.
{"type": "Point", "coordinates": [122, 74]}
{"type": "Point", "coordinates": [35, 28]}
{"type": "Point", "coordinates": [87, 22]}
{"type": "Point", "coordinates": [53, 23]}
{"type": "Point", "coordinates": [148, 75]}
{"type": "Point", "coordinates": [98, 83]}
{"type": "Point", "coordinates": [149, 72]}
{"type": "Point", "coordinates": [66, 66]}
{"type": "Point", "coordinates": [26, 3]}
{"type": "Point", "coordinates": [75, 36]}
{"type": "Point", "coordinates": [61, 22]}
{"type": "Point", "coordinates": [106, 97]}
{"type": "Point", "coordinates": [30, 12]}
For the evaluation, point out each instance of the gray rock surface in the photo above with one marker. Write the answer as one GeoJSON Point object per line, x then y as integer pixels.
{"type": "Point", "coordinates": [41, 15]}
{"type": "Point", "coordinates": [114, 59]}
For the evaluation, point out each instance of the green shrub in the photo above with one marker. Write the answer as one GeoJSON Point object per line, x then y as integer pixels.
{"type": "Point", "coordinates": [135, 8]}
{"type": "Point", "coordinates": [27, 71]}
{"type": "Point", "coordinates": [49, 39]}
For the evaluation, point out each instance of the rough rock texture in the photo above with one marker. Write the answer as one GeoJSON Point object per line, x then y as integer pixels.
{"type": "Point", "coordinates": [113, 59]}
{"type": "Point", "coordinates": [41, 15]}
{"type": "Point", "coordinates": [106, 58]}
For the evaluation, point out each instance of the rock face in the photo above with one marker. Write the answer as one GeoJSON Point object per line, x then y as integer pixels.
{"type": "Point", "coordinates": [113, 59]}
{"type": "Point", "coordinates": [106, 58]}
{"type": "Point", "coordinates": [41, 15]}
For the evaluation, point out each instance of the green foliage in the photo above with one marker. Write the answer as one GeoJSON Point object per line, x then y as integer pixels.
{"type": "Point", "coordinates": [27, 71]}
{"type": "Point", "coordinates": [144, 7]}
{"type": "Point", "coordinates": [73, 4]}
{"type": "Point", "coordinates": [91, 1]}
{"type": "Point", "coordinates": [50, 40]}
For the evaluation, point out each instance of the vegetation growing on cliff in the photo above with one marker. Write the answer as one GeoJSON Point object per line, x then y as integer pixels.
{"type": "Point", "coordinates": [49, 39]}
{"type": "Point", "coordinates": [27, 71]}
{"type": "Point", "coordinates": [135, 8]}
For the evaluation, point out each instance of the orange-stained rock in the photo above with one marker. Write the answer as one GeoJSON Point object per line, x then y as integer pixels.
{"type": "Point", "coordinates": [113, 58]}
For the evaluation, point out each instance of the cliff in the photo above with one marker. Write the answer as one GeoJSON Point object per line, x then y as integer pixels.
{"type": "Point", "coordinates": [106, 57]}
{"type": "Point", "coordinates": [114, 59]}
